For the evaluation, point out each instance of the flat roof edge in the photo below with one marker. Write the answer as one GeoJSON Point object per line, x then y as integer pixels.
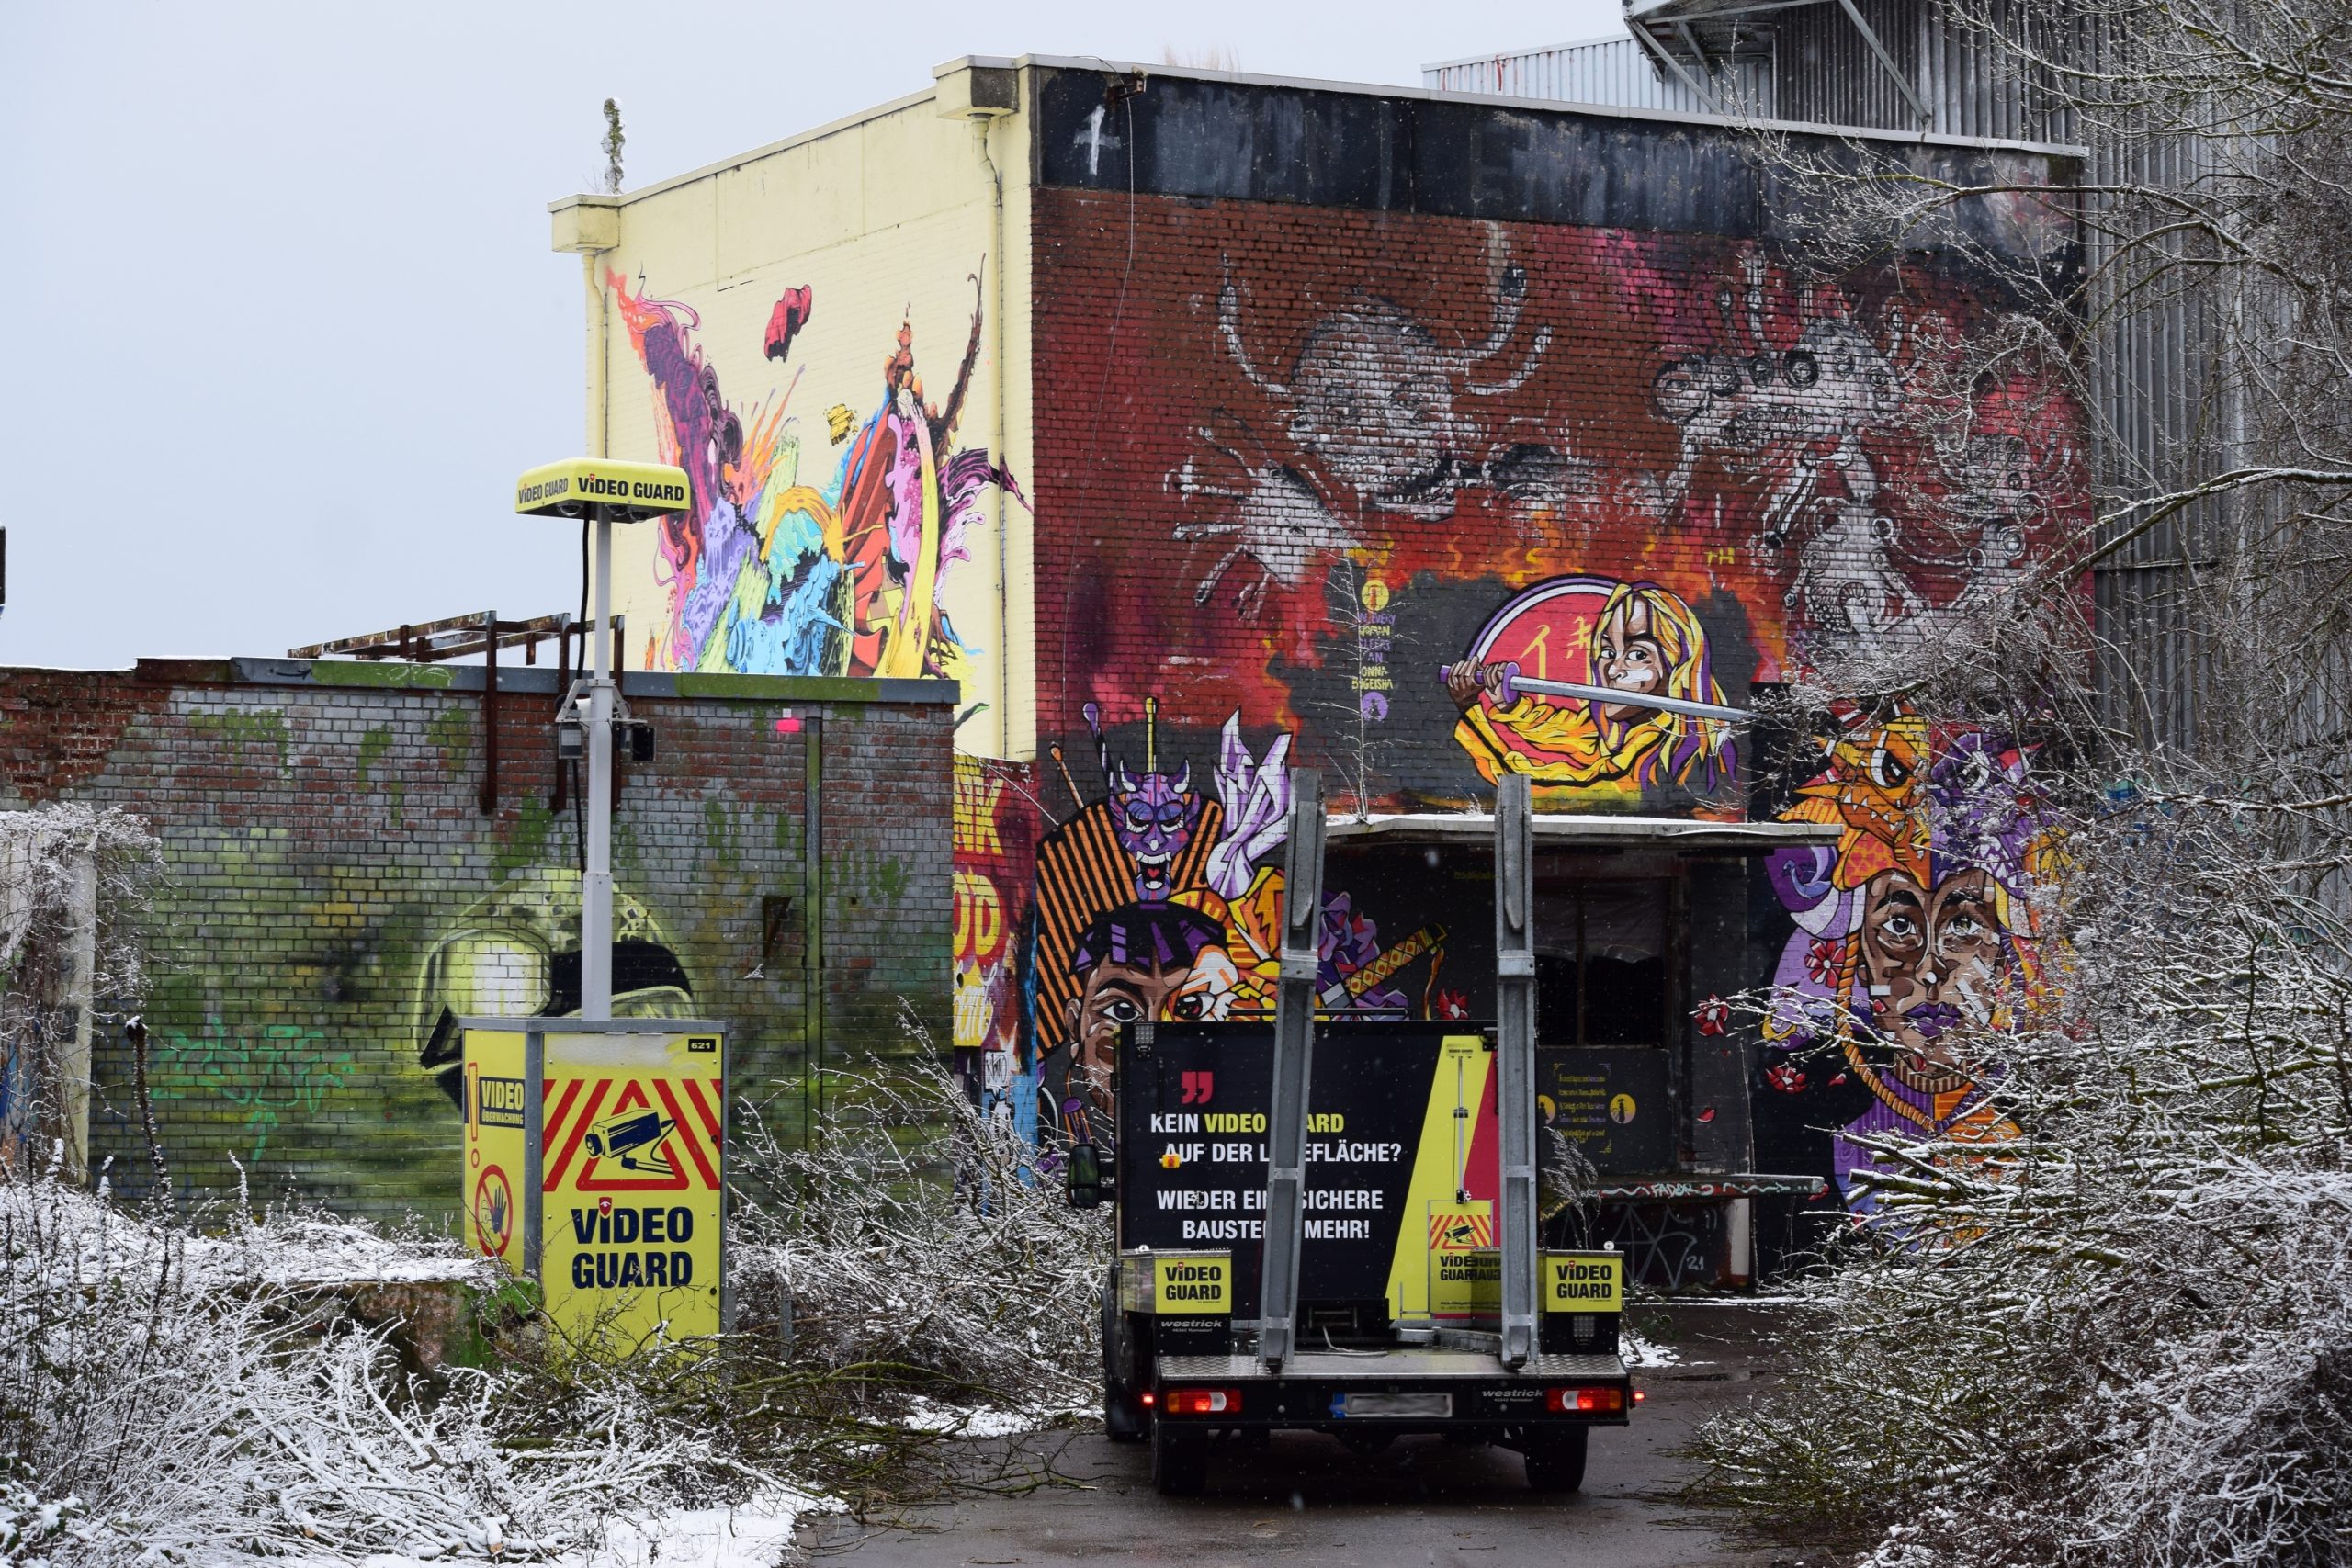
{"type": "Point", "coordinates": [1310, 84]}
{"type": "Point", "coordinates": [768, 149]}
{"type": "Point", "coordinates": [514, 679]}
{"type": "Point", "coordinates": [1554, 106]}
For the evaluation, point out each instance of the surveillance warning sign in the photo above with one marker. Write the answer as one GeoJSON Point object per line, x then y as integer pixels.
{"type": "Point", "coordinates": [632, 1142]}
{"type": "Point", "coordinates": [595, 1161]}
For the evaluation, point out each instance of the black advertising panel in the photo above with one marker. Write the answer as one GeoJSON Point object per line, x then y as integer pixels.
{"type": "Point", "coordinates": [1611, 1103]}
{"type": "Point", "coordinates": [1401, 1172]}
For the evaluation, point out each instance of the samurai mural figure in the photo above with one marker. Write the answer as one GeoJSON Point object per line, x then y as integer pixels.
{"type": "Point", "coordinates": [1643, 641]}
{"type": "Point", "coordinates": [1916, 944]}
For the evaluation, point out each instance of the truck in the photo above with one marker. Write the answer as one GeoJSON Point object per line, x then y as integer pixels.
{"type": "Point", "coordinates": [1330, 1224]}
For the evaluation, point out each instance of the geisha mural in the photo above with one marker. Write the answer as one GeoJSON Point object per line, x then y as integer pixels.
{"type": "Point", "coordinates": [1916, 942]}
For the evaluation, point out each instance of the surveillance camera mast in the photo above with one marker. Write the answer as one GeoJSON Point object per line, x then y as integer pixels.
{"type": "Point", "coordinates": [601, 492]}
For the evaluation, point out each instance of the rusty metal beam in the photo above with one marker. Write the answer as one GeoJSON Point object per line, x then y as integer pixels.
{"type": "Point", "coordinates": [456, 637]}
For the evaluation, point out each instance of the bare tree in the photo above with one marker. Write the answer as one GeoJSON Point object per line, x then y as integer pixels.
{"type": "Point", "coordinates": [2118, 1337]}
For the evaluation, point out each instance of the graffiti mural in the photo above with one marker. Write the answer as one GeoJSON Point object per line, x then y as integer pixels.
{"type": "Point", "coordinates": [995, 833]}
{"type": "Point", "coordinates": [791, 562]}
{"type": "Point", "coordinates": [1156, 903]}
{"type": "Point", "coordinates": [514, 953]}
{"type": "Point", "coordinates": [1635, 637]}
{"type": "Point", "coordinates": [1355, 498]}
{"type": "Point", "coordinates": [1915, 944]}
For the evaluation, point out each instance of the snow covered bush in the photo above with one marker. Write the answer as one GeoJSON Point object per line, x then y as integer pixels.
{"type": "Point", "coordinates": [914, 1232]}
{"type": "Point", "coordinates": [168, 1397]}
{"type": "Point", "coordinates": [2120, 1336]}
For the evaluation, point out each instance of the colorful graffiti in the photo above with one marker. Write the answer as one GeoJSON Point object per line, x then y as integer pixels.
{"type": "Point", "coordinates": [845, 575]}
{"type": "Point", "coordinates": [995, 830]}
{"type": "Point", "coordinates": [1637, 637]}
{"type": "Point", "coordinates": [1461, 413]}
{"type": "Point", "coordinates": [1154, 903]}
{"type": "Point", "coordinates": [1916, 942]}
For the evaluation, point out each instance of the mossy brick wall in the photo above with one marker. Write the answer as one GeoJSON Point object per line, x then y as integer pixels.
{"type": "Point", "coordinates": [333, 887]}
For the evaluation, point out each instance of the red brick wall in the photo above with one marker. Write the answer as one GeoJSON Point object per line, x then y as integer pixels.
{"type": "Point", "coordinates": [1157, 453]}
{"type": "Point", "coordinates": [1291, 459]}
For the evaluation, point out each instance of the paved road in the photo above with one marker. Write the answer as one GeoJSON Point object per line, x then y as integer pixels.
{"type": "Point", "coordinates": [1304, 1502]}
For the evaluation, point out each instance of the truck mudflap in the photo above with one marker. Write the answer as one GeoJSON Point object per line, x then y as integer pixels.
{"type": "Point", "coordinates": [1401, 1389]}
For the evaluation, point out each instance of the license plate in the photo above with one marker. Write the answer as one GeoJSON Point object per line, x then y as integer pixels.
{"type": "Point", "coordinates": [1394, 1406]}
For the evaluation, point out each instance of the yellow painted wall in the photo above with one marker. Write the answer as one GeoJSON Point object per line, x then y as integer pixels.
{"type": "Point", "coordinates": [890, 221]}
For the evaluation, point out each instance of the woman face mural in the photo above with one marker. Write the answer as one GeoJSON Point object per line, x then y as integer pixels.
{"type": "Point", "coordinates": [1913, 944]}
{"type": "Point", "coordinates": [1635, 637]}
{"type": "Point", "coordinates": [1934, 961]}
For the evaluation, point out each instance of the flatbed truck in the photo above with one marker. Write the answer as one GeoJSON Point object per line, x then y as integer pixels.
{"type": "Point", "coordinates": [1330, 1224]}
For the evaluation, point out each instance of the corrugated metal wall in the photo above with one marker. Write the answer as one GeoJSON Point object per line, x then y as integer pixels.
{"type": "Point", "coordinates": [1613, 71]}
{"type": "Point", "coordinates": [2153, 382]}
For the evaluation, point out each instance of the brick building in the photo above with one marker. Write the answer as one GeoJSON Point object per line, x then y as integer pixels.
{"type": "Point", "coordinates": [350, 863]}
{"type": "Point", "coordinates": [1195, 423]}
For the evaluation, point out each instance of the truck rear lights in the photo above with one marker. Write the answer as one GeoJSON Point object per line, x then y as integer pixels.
{"type": "Point", "coordinates": [1203, 1400]}
{"type": "Point", "coordinates": [1585, 1401]}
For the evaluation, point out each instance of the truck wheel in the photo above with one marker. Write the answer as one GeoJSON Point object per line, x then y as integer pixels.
{"type": "Point", "coordinates": [1180, 1461]}
{"type": "Point", "coordinates": [1125, 1420]}
{"type": "Point", "coordinates": [1555, 1460]}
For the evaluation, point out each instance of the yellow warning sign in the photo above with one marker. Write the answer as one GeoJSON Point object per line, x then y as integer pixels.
{"type": "Point", "coordinates": [595, 1164]}
{"type": "Point", "coordinates": [1584, 1281]}
{"type": "Point", "coordinates": [493, 1193]}
{"type": "Point", "coordinates": [1458, 1228]}
{"type": "Point", "coordinates": [631, 1146]}
{"type": "Point", "coordinates": [1193, 1283]}
{"type": "Point", "coordinates": [1467, 1283]}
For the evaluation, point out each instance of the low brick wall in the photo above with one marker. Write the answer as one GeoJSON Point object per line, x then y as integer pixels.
{"type": "Point", "coordinates": [335, 891]}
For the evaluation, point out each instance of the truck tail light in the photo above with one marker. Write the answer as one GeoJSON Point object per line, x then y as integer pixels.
{"type": "Point", "coordinates": [1201, 1401]}
{"type": "Point", "coordinates": [1585, 1401]}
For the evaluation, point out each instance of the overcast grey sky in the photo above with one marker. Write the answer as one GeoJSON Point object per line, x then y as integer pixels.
{"type": "Point", "coordinates": [286, 322]}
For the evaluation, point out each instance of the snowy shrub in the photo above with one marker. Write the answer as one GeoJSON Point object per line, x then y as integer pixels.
{"type": "Point", "coordinates": [163, 1399]}
{"type": "Point", "coordinates": [914, 1232]}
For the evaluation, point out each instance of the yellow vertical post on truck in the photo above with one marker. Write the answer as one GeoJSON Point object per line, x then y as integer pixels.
{"type": "Point", "coordinates": [595, 1165]}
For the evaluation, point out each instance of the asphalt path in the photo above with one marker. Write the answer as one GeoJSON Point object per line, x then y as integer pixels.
{"type": "Point", "coordinates": [1304, 1502]}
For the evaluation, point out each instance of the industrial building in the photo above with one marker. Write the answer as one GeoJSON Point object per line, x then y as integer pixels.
{"type": "Point", "coordinates": [1199, 425]}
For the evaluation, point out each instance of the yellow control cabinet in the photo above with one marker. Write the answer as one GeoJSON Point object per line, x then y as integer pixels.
{"type": "Point", "coordinates": [595, 1164]}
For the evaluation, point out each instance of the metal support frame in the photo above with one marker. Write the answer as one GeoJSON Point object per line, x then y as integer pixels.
{"type": "Point", "coordinates": [1658, 54]}
{"type": "Point", "coordinates": [1515, 1059]}
{"type": "Point", "coordinates": [1886, 62]}
{"type": "Point", "coordinates": [1293, 1071]}
{"type": "Point", "coordinates": [812, 928]}
{"type": "Point", "coordinates": [489, 799]}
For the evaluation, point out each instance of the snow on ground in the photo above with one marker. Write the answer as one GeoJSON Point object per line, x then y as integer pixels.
{"type": "Point", "coordinates": [1640, 1355]}
{"type": "Point", "coordinates": [929, 1415]}
{"type": "Point", "coordinates": [756, 1534]}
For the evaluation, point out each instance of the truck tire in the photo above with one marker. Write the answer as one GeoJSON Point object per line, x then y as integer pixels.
{"type": "Point", "coordinates": [1125, 1420]}
{"type": "Point", "coordinates": [1180, 1461]}
{"type": "Point", "coordinates": [1555, 1460]}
